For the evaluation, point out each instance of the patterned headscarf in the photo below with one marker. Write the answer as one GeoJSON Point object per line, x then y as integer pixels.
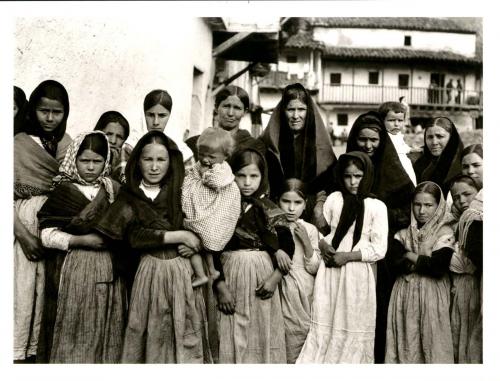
{"type": "Point", "coordinates": [473, 213]}
{"type": "Point", "coordinates": [429, 232]}
{"type": "Point", "coordinates": [69, 172]}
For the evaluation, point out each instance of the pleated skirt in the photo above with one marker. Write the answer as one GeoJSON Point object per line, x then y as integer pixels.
{"type": "Point", "coordinates": [166, 321]}
{"type": "Point", "coordinates": [91, 310]}
{"type": "Point", "coordinates": [29, 283]}
{"type": "Point", "coordinates": [465, 318]}
{"type": "Point", "coordinates": [255, 333]}
{"type": "Point", "coordinates": [418, 321]}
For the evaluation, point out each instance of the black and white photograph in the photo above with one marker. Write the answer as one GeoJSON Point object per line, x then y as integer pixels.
{"type": "Point", "coordinates": [219, 183]}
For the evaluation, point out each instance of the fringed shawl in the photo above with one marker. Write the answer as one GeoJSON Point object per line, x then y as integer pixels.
{"type": "Point", "coordinates": [34, 168]}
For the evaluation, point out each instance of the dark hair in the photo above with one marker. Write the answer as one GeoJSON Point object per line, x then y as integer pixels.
{"type": "Point", "coordinates": [395, 107]}
{"type": "Point", "coordinates": [113, 117]}
{"type": "Point", "coordinates": [232, 90]}
{"type": "Point", "coordinates": [354, 161]}
{"type": "Point", "coordinates": [158, 97]}
{"type": "Point", "coordinates": [473, 148]}
{"type": "Point", "coordinates": [430, 188]}
{"type": "Point", "coordinates": [96, 143]}
{"type": "Point", "coordinates": [441, 121]}
{"type": "Point", "coordinates": [52, 90]}
{"type": "Point", "coordinates": [295, 91]}
{"type": "Point", "coordinates": [466, 179]}
{"type": "Point", "coordinates": [21, 102]}
{"type": "Point", "coordinates": [247, 157]}
{"type": "Point", "coordinates": [294, 185]}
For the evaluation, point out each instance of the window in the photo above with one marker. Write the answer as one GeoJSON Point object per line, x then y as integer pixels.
{"type": "Point", "coordinates": [403, 80]}
{"type": "Point", "coordinates": [407, 40]}
{"type": "Point", "coordinates": [373, 77]}
{"type": "Point", "coordinates": [342, 119]}
{"type": "Point", "coordinates": [291, 59]}
{"type": "Point", "coordinates": [335, 79]}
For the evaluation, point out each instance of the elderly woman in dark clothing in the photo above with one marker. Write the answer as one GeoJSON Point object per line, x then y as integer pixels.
{"type": "Point", "coordinates": [440, 161]}
{"type": "Point", "coordinates": [298, 146]}
{"type": "Point", "coordinates": [393, 186]}
{"type": "Point", "coordinates": [231, 104]}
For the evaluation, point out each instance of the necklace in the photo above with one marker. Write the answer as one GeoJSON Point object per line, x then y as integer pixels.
{"type": "Point", "coordinates": [148, 186]}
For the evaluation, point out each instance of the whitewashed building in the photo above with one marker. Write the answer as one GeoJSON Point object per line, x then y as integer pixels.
{"type": "Point", "coordinates": [351, 65]}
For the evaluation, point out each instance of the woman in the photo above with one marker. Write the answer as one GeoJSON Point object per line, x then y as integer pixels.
{"type": "Point", "coordinates": [298, 146]}
{"type": "Point", "coordinates": [440, 161]}
{"type": "Point", "coordinates": [117, 129]}
{"type": "Point", "coordinates": [418, 326]}
{"type": "Point", "coordinates": [157, 108]}
{"type": "Point", "coordinates": [19, 109]}
{"type": "Point", "coordinates": [466, 319]}
{"type": "Point", "coordinates": [393, 186]}
{"type": "Point", "coordinates": [38, 151]}
{"type": "Point", "coordinates": [231, 104]}
{"type": "Point", "coordinates": [92, 301]}
{"type": "Point", "coordinates": [166, 321]}
{"type": "Point", "coordinates": [344, 300]}
{"type": "Point", "coordinates": [472, 163]}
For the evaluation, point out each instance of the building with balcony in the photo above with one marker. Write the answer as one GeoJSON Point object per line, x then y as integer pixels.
{"type": "Point", "coordinates": [352, 65]}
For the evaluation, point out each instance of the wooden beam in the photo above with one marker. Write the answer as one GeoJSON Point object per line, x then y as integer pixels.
{"type": "Point", "coordinates": [232, 78]}
{"type": "Point", "coordinates": [230, 42]}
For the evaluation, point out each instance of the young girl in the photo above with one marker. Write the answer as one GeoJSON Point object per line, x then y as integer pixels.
{"type": "Point", "coordinates": [251, 325]}
{"type": "Point", "coordinates": [211, 200]}
{"type": "Point", "coordinates": [465, 291]}
{"type": "Point", "coordinates": [38, 151]}
{"type": "Point", "coordinates": [296, 288]}
{"type": "Point", "coordinates": [91, 303]}
{"type": "Point", "coordinates": [344, 301]}
{"type": "Point", "coordinates": [418, 325]}
{"type": "Point", "coordinates": [165, 321]}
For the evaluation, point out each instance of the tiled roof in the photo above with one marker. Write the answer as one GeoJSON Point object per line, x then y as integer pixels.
{"type": "Point", "coordinates": [457, 24]}
{"type": "Point", "coordinates": [404, 54]}
{"type": "Point", "coordinates": [303, 40]}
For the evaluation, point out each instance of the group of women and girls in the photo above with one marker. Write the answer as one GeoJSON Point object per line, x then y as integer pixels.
{"type": "Point", "coordinates": [234, 249]}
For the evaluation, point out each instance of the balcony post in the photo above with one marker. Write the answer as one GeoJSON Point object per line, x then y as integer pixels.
{"type": "Point", "coordinates": [319, 75]}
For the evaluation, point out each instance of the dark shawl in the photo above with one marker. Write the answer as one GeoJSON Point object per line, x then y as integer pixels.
{"type": "Point", "coordinates": [164, 213]}
{"type": "Point", "coordinates": [316, 156]}
{"type": "Point", "coordinates": [353, 207]}
{"type": "Point", "coordinates": [391, 183]}
{"type": "Point", "coordinates": [442, 169]}
{"type": "Point", "coordinates": [21, 102]}
{"type": "Point", "coordinates": [242, 140]}
{"type": "Point", "coordinates": [52, 90]}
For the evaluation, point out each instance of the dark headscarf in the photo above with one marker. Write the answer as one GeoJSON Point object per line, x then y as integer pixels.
{"type": "Point", "coordinates": [353, 208]}
{"type": "Point", "coordinates": [21, 102]}
{"type": "Point", "coordinates": [55, 91]}
{"type": "Point", "coordinates": [442, 169]}
{"type": "Point", "coordinates": [389, 175]}
{"type": "Point", "coordinates": [113, 117]}
{"type": "Point", "coordinates": [315, 153]}
{"type": "Point", "coordinates": [167, 205]}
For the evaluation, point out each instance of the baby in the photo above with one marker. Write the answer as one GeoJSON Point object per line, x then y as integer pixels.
{"type": "Point", "coordinates": [211, 200]}
{"type": "Point", "coordinates": [393, 115]}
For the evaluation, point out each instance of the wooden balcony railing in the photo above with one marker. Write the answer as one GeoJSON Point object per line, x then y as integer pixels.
{"type": "Point", "coordinates": [374, 94]}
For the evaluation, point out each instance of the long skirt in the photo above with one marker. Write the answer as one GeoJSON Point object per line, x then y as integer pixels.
{"type": "Point", "coordinates": [418, 321]}
{"type": "Point", "coordinates": [91, 310]}
{"type": "Point", "coordinates": [465, 315]}
{"type": "Point", "coordinates": [255, 332]}
{"type": "Point", "coordinates": [166, 317]}
{"type": "Point", "coordinates": [296, 290]}
{"type": "Point", "coordinates": [29, 282]}
{"type": "Point", "coordinates": [343, 316]}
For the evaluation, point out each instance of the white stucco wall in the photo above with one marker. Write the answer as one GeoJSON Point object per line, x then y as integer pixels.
{"type": "Point", "coordinates": [112, 63]}
{"type": "Point", "coordinates": [461, 43]}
